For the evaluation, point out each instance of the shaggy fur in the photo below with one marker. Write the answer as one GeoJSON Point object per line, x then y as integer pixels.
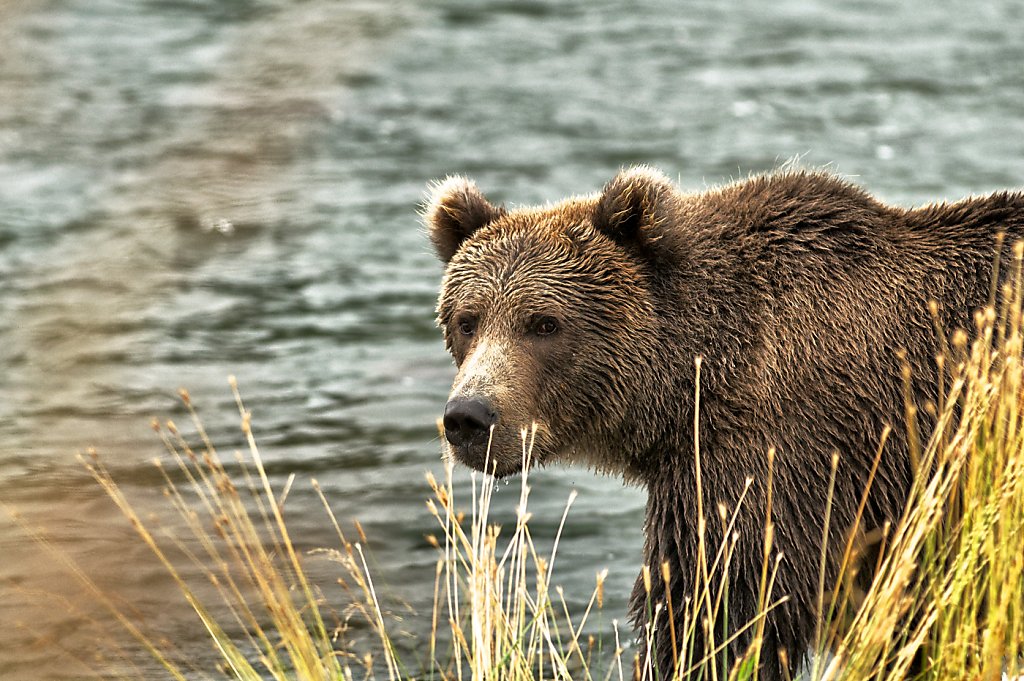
{"type": "Point", "coordinates": [798, 290]}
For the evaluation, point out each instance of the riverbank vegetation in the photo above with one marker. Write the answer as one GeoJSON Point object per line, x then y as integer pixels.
{"type": "Point", "coordinates": [947, 603]}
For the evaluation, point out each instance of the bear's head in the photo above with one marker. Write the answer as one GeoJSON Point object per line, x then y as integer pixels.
{"type": "Point", "coordinates": [548, 313]}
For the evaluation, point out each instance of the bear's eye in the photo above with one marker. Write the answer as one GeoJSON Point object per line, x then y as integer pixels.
{"type": "Point", "coordinates": [466, 326]}
{"type": "Point", "coordinates": [545, 326]}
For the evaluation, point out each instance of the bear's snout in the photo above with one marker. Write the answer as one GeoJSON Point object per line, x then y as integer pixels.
{"type": "Point", "coordinates": [468, 420]}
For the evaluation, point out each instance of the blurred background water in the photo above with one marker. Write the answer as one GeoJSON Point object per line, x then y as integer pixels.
{"type": "Point", "coordinates": [192, 189]}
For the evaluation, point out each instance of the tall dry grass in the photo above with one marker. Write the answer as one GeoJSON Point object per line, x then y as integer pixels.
{"type": "Point", "coordinates": [947, 603]}
{"type": "Point", "coordinates": [496, 613]}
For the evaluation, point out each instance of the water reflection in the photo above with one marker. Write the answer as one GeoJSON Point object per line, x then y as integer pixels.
{"type": "Point", "coordinates": [174, 137]}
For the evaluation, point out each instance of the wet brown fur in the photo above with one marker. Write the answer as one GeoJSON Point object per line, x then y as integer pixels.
{"type": "Point", "coordinates": [798, 289]}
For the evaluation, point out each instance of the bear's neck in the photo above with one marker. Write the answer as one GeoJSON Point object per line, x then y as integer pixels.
{"type": "Point", "coordinates": [660, 437]}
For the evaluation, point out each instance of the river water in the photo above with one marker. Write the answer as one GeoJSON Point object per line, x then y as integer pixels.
{"type": "Point", "coordinates": [195, 189]}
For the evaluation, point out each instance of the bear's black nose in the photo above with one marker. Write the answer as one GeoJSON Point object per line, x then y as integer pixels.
{"type": "Point", "coordinates": [468, 418]}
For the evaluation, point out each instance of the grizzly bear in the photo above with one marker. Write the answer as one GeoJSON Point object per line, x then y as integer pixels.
{"type": "Point", "coordinates": [803, 296]}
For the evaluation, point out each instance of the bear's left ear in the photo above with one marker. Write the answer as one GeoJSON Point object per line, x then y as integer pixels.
{"type": "Point", "coordinates": [455, 209]}
{"type": "Point", "coordinates": [634, 205]}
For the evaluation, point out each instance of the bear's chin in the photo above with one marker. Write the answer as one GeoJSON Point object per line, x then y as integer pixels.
{"type": "Point", "coordinates": [477, 458]}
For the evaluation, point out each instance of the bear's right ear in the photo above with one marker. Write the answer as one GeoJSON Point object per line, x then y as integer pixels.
{"type": "Point", "coordinates": [455, 209]}
{"type": "Point", "coordinates": [633, 207]}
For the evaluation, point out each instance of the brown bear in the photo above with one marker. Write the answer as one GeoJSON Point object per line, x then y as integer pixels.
{"type": "Point", "coordinates": [804, 297]}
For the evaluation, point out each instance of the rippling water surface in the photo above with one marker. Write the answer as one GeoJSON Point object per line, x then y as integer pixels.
{"type": "Point", "coordinates": [195, 189]}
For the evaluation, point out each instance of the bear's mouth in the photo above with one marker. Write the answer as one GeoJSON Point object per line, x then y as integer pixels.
{"type": "Point", "coordinates": [484, 458]}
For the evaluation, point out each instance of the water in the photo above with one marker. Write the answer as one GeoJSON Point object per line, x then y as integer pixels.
{"type": "Point", "coordinates": [191, 190]}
